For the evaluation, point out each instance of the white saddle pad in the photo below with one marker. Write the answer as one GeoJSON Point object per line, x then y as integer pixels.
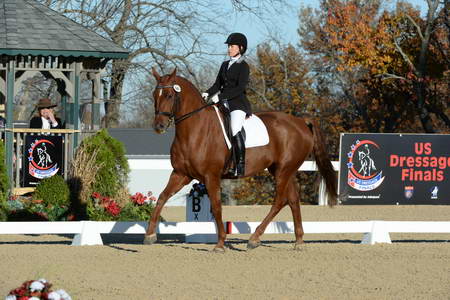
{"type": "Point", "coordinates": [255, 131]}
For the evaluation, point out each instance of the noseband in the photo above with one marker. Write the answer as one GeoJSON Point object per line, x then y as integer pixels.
{"type": "Point", "coordinates": [171, 115]}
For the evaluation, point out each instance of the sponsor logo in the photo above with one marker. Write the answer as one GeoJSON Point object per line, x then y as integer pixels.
{"type": "Point", "coordinates": [409, 192]}
{"type": "Point", "coordinates": [363, 174]}
{"type": "Point", "coordinates": [41, 159]}
{"type": "Point", "coordinates": [434, 192]}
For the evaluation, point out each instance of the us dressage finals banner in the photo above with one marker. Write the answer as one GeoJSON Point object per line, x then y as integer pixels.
{"type": "Point", "coordinates": [394, 168]}
{"type": "Point", "coordinates": [43, 158]}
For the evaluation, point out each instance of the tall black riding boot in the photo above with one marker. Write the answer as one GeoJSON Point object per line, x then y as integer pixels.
{"type": "Point", "coordinates": [239, 143]}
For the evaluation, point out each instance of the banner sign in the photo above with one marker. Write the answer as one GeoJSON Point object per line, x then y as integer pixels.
{"type": "Point", "coordinates": [43, 158]}
{"type": "Point", "coordinates": [394, 168]}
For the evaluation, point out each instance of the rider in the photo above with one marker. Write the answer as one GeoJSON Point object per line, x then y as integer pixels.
{"type": "Point", "coordinates": [230, 85]}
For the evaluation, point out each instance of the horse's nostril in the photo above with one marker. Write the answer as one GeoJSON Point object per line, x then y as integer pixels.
{"type": "Point", "coordinates": [158, 127]}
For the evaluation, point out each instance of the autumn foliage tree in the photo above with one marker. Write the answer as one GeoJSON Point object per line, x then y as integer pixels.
{"type": "Point", "coordinates": [386, 64]}
{"type": "Point", "coordinates": [280, 80]}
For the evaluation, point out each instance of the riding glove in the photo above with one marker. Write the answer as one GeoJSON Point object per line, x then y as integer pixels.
{"type": "Point", "coordinates": [205, 96]}
{"type": "Point", "coordinates": [215, 98]}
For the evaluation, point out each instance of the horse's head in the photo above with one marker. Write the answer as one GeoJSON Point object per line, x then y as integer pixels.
{"type": "Point", "coordinates": [165, 99]}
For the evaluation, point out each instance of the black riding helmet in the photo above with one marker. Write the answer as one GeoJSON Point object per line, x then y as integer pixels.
{"type": "Point", "coordinates": [237, 39]}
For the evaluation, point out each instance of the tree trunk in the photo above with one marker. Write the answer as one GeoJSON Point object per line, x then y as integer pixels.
{"type": "Point", "coordinates": [112, 105]}
{"type": "Point", "coordinates": [421, 72]}
{"type": "Point", "coordinates": [424, 114]}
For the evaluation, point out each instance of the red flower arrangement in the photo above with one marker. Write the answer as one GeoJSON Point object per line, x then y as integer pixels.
{"type": "Point", "coordinates": [140, 199]}
{"type": "Point", "coordinates": [139, 207]}
{"type": "Point", "coordinates": [113, 208]}
{"type": "Point", "coordinates": [37, 289]}
{"type": "Point", "coordinates": [108, 204]}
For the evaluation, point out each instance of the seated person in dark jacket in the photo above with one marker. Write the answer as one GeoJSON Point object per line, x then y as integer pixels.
{"type": "Point", "coordinates": [46, 118]}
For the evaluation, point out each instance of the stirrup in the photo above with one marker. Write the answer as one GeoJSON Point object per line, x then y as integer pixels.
{"type": "Point", "coordinates": [240, 169]}
{"type": "Point", "coordinates": [236, 169]}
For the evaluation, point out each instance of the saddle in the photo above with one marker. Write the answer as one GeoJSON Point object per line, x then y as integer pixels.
{"type": "Point", "coordinates": [227, 120]}
{"type": "Point", "coordinates": [258, 136]}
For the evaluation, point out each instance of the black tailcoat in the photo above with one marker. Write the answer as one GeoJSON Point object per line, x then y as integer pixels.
{"type": "Point", "coordinates": [232, 83]}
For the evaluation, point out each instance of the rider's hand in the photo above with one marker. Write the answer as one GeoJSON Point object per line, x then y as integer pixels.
{"type": "Point", "coordinates": [215, 98]}
{"type": "Point", "coordinates": [205, 96]}
{"type": "Point", "coordinates": [51, 117]}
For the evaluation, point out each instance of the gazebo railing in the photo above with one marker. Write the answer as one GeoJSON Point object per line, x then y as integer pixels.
{"type": "Point", "coordinates": [19, 137]}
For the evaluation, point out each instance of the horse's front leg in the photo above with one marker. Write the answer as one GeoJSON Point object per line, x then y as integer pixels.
{"type": "Point", "coordinates": [213, 187]}
{"type": "Point", "coordinates": [176, 182]}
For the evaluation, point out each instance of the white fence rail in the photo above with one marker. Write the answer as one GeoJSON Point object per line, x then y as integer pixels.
{"type": "Point", "coordinates": [164, 164]}
{"type": "Point", "coordinates": [88, 232]}
{"type": "Point", "coordinates": [139, 180]}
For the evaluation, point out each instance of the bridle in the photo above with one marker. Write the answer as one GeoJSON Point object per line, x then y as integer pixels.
{"type": "Point", "coordinates": [170, 115]}
{"type": "Point", "coordinates": [175, 106]}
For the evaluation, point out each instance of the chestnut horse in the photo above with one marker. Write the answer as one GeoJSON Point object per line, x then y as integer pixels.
{"type": "Point", "coordinates": [199, 152]}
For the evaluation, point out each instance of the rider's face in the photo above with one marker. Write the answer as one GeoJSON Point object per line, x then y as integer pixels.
{"type": "Point", "coordinates": [233, 50]}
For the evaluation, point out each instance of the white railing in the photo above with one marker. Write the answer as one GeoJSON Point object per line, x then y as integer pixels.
{"type": "Point", "coordinates": [88, 232]}
{"type": "Point", "coordinates": [164, 164]}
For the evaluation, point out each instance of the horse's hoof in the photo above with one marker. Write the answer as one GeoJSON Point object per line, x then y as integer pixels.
{"type": "Point", "coordinates": [299, 246]}
{"type": "Point", "coordinates": [253, 244]}
{"type": "Point", "coordinates": [150, 239]}
{"type": "Point", "coordinates": [219, 250]}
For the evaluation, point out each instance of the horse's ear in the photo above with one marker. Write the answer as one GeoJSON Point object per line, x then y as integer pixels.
{"type": "Point", "coordinates": [173, 74]}
{"type": "Point", "coordinates": [155, 73]}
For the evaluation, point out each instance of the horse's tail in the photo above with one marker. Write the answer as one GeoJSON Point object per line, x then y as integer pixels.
{"type": "Point", "coordinates": [323, 162]}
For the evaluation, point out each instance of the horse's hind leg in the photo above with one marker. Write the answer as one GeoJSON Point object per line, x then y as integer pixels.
{"type": "Point", "coordinates": [176, 182]}
{"type": "Point", "coordinates": [281, 180]}
{"type": "Point", "coordinates": [294, 204]}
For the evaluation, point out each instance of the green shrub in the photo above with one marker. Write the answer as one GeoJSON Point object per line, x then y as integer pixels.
{"type": "Point", "coordinates": [3, 214]}
{"type": "Point", "coordinates": [4, 182]}
{"type": "Point", "coordinates": [112, 175]}
{"type": "Point", "coordinates": [132, 212]}
{"type": "Point", "coordinates": [51, 198]}
{"type": "Point", "coordinates": [53, 191]}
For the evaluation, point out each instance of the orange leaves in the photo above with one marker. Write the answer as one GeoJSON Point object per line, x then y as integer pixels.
{"type": "Point", "coordinates": [280, 80]}
{"type": "Point", "coordinates": [358, 36]}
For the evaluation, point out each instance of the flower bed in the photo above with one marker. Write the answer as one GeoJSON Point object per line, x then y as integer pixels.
{"type": "Point", "coordinates": [37, 290]}
{"type": "Point", "coordinates": [139, 208]}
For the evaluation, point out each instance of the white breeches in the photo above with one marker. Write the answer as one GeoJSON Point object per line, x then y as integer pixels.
{"type": "Point", "coordinates": [237, 121]}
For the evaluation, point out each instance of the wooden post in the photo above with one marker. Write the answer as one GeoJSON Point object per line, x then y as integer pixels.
{"type": "Point", "coordinates": [10, 79]}
{"type": "Point", "coordinates": [95, 109]}
{"type": "Point", "coordinates": [76, 104]}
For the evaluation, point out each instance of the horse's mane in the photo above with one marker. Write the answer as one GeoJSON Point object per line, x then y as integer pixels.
{"type": "Point", "coordinates": [189, 85]}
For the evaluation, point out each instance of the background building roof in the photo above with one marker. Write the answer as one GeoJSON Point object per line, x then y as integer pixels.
{"type": "Point", "coordinates": [30, 28]}
{"type": "Point", "coordinates": [143, 143]}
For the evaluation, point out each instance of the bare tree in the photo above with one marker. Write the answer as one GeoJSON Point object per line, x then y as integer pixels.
{"type": "Point", "coordinates": [166, 33]}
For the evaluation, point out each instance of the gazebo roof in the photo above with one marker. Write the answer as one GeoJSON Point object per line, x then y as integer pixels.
{"type": "Point", "coordinates": [30, 28]}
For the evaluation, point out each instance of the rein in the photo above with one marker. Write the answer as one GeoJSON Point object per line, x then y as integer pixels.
{"type": "Point", "coordinates": [185, 116]}
{"type": "Point", "coordinates": [171, 114]}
